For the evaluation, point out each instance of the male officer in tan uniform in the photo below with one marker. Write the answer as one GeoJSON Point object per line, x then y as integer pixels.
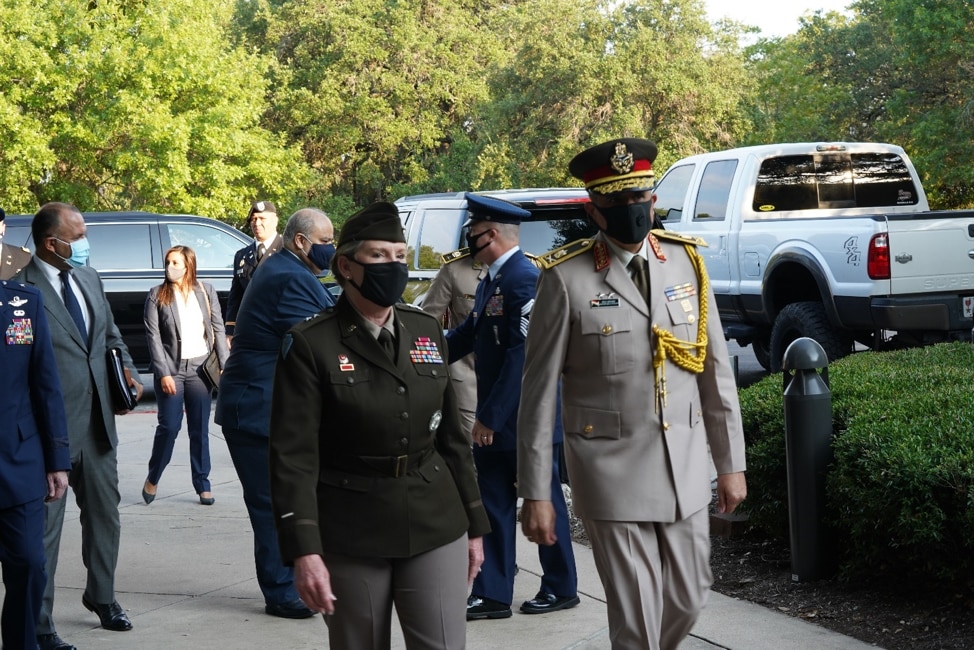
{"type": "Point", "coordinates": [450, 299]}
{"type": "Point", "coordinates": [646, 387]}
{"type": "Point", "coordinates": [12, 258]}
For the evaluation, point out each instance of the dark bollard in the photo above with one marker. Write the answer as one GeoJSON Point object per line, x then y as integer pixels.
{"type": "Point", "coordinates": [808, 448]}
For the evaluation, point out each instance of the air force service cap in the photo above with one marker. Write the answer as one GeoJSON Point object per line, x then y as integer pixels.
{"type": "Point", "coordinates": [487, 208]}
{"type": "Point", "coordinates": [379, 221]}
{"type": "Point", "coordinates": [621, 165]}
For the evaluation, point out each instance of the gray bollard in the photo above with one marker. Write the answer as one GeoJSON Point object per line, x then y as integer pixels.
{"type": "Point", "coordinates": [808, 448]}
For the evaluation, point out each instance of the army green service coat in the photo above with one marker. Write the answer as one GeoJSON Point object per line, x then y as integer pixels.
{"type": "Point", "coordinates": [367, 456]}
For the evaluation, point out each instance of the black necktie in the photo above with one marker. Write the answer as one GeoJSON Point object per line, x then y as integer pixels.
{"type": "Point", "coordinates": [640, 275]}
{"type": "Point", "coordinates": [74, 307]}
{"type": "Point", "coordinates": [260, 251]}
{"type": "Point", "coordinates": [387, 343]}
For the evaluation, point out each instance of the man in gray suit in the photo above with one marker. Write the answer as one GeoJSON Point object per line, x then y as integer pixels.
{"type": "Point", "coordinates": [82, 330]}
{"type": "Point", "coordinates": [628, 324]}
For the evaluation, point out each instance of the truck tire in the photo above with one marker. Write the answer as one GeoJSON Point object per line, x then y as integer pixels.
{"type": "Point", "coordinates": [761, 346]}
{"type": "Point", "coordinates": [800, 319]}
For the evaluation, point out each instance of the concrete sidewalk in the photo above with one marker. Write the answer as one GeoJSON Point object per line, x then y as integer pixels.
{"type": "Point", "coordinates": [186, 578]}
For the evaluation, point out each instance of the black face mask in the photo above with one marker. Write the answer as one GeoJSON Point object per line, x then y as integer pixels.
{"type": "Point", "coordinates": [382, 283]}
{"type": "Point", "coordinates": [321, 254]}
{"type": "Point", "coordinates": [628, 224]}
{"type": "Point", "coordinates": [472, 242]}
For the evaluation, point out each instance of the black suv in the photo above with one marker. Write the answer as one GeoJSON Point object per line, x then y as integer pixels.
{"type": "Point", "coordinates": [433, 224]}
{"type": "Point", "coordinates": [127, 250]}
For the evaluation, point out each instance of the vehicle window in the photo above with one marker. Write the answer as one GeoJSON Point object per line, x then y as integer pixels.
{"type": "Point", "coordinates": [18, 236]}
{"type": "Point", "coordinates": [214, 248]}
{"type": "Point", "coordinates": [810, 182]}
{"type": "Point", "coordinates": [117, 246]}
{"type": "Point", "coordinates": [537, 237]}
{"type": "Point", "coordinates": [671, 193]}
{"type": "Point", "coordinates": [439, 233]}
{"type": "Point", "coordinates": [786, 183]}
{"type": "Point", "coordinates": [715, 187]}
{"type": "Point", "coordinates": [882, 179]}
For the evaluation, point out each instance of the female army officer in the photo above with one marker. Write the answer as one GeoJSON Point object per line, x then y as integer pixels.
{"type": "Point", "coordinates": [372, 479]}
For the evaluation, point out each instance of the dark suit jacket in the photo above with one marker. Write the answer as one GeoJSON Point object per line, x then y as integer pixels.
{"type": "Point", "coordinates": [495, 331]}
{"type": "Point", "coordinates": [245, 263]}
{"type": "Point", "coordinates": [82, 368]}
{"type": "Point", "coordinates": [162, 329]}
{"type": "Point", "coordinates": [343, 414]}
{"type": "Point", "coordinates": [36, 440]}
{"type": "Point", "coordinates": [283, 292]}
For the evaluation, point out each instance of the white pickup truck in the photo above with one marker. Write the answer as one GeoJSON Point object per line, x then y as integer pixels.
{"type": "Point", "coordinates": [834, 241]}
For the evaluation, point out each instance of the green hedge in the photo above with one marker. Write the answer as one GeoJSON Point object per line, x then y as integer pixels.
{"type": "Point", "coordinates": [901, 490]}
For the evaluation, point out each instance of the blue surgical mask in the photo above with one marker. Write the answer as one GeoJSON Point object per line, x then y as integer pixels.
{"type": "Point", "coordinates": [79, 252]}
{"type": "Point", "coordinates": [321, 254]}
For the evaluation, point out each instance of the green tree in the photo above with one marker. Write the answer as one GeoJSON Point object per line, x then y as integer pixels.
{"type": "Point", "coordinates": [899, 71]}
{"type": "Point", "coordinates": [378, 92]}
{"type": "Point", "coordinates": [116, 104]}
{"type": "Point", "coordinates": [583, 72]}
{"type": "Point", "coordinates": [932, 108]}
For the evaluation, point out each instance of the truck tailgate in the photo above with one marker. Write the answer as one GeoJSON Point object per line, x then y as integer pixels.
{"type": "Point", "coordinates": [932, 252]}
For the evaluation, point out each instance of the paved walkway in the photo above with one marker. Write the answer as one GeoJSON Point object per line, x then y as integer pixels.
{"type": "Point", "coordinates": [186, 578]}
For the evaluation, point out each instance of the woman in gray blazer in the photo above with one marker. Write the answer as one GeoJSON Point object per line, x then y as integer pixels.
{"type": "Point", "coordinates": [183, 323]}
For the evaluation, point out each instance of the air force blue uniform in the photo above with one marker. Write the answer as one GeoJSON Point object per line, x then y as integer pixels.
{"type": "Point", "coordinates": [283, 292]}
{"type": "Point", "coordinates": [495, 332]}
{"type": "Point", "coordinates": [33, 442]}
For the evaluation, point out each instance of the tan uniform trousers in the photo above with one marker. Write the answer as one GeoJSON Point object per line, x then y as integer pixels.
{"type": "Point", "coordinates": [656, 578]}
{"type": "Point", "coordinates": [429, 592]}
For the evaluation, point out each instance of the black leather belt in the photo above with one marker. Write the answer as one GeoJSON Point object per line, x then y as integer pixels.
{"type": "Point", "coordinates": [392, 466]}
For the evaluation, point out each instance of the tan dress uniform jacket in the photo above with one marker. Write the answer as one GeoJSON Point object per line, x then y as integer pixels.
{"type": "Point", "coordinates": [450, 298]}
{"type": "Point", "coordinates": [590, 328]}
{"type": "Point", "coordinates": [367, 456]}
{"type": "Point", "coordinates": [12, 259]}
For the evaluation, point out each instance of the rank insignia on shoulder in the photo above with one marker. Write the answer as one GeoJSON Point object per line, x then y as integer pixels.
{"type": "Point", "coordinates": [678, 237]}
{"type": "Point", "coordinates": [459, 254]}
{"type": "Point", "coordinates": [657, 249]}
{"type": "Point", "coordinates": [566, 252]}
{"type": "Point", "coordinates": [534, 259]}
{"type": "Point", "coordinates": [602, 256]}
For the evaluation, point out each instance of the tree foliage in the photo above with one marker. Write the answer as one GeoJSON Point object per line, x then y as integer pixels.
{"type": "Point", "coordinates": [377, 90]}
{"type": "Point", "coordinates": [118, 105]}
{"type": "Point", "coordinates": [900, 71]}
{"type": "Point", "coordinates": [192, 106]}
{"type": "Point", "coordinates": [584, 72]}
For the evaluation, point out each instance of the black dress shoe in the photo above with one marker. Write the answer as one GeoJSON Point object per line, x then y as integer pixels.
{"type": "Point", "coordinates": [112, 615]}
{"type": "Point", "coordinates": [485, 608]}
{"type": "Point", "coordinates": [545, 602]}
{"type": "Point", "coordinates": [146, 496]}
{"type": "Point", "coordinates": [290, 609]}
{"type": "Point", "coordinates": [53, 642]}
